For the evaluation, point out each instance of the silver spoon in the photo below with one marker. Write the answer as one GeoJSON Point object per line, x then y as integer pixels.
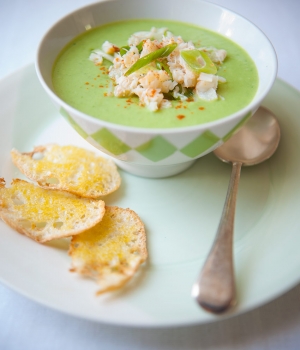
{"type": "Point", "coordinates": [255, 142]}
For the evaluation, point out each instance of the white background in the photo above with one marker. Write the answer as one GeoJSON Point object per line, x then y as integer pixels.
{"type": "Point", "coordinates": [27, 325]}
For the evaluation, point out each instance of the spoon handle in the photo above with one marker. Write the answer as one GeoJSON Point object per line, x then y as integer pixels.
{"type": "Point", "coordinates": [215, 288]}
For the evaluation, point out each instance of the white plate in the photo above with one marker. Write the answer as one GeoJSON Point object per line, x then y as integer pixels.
{"type": "Point", "coordinates": [181, 215]}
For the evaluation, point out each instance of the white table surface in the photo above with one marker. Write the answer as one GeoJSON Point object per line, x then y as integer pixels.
{"type": "Point", "coordinates": [25, 324]}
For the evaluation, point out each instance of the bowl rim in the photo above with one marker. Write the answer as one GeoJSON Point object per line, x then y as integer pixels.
{"type": "Point", "coordinates": [251, 107]}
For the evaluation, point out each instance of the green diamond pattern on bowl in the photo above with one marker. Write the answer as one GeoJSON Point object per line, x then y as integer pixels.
{"type": "Point", "coordinates": [78, 128]}
{"type": "Point", "coordinates": [110, 142]}
{"type": "Point", "coordinates": [200, 144]}
{"type": "Point", "coordinates": [156, 149]}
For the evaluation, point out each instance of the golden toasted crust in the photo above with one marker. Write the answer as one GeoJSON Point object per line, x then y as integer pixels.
{"type": "Point", "coordinates": [2, 182]}
{"type": "Point", "coordinates": [111, 251]}
{"type": "Point", "coordinates": [44, 215]}
{"type": "Point", "coordinates": [69, 168]}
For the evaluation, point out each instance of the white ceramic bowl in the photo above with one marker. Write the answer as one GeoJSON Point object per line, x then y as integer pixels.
{"type": "Point", "coordinates": [168, 151]}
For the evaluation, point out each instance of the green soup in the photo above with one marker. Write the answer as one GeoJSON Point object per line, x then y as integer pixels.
{"type": "Point", "coordinates": [84, 85]}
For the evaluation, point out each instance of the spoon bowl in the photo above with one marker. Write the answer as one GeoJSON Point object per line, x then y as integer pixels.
{"type": "Point", "coordinates": [254, 143]}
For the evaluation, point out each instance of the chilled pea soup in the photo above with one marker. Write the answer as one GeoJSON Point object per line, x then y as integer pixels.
{"type": "Point", "coordinates": [86, 86]}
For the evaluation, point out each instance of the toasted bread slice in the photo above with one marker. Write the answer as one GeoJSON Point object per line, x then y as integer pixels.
{"type": "Point", "coordinates": [47, 214]}
{"type": "Point", "coordinates": [69, 168]}
{"type": "Point", "coordinates": [111, 251]}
